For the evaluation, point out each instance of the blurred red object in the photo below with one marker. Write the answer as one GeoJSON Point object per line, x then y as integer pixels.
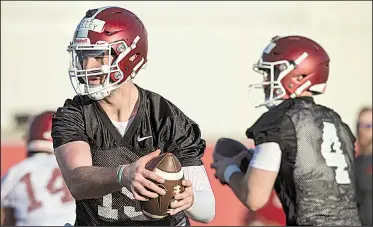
{"type": "Point", "coordinates": [11, 153]}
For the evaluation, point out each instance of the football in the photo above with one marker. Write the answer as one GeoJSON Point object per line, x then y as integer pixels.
{"type": "Point", "coordinates": [168, 167]}
{"type": "Point", "coordinates": [228, 147]}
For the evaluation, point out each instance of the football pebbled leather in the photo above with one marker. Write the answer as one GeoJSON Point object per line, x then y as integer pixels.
{"type": "Point", "coordinates": [169, 168]}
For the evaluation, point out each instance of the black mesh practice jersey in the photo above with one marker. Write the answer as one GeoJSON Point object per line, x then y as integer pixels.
{"type": "Point", "coordinates": [165, 126]}
{"type": "Point", "coordinates": [315, 183]}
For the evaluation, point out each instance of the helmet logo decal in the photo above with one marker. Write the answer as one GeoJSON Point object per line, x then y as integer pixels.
{"type": "Point", "coordinates": [82, 41]}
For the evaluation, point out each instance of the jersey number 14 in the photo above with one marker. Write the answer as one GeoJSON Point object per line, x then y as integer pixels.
{"type": "Point", "coordinates": [334, 157]}
{"type": "Point", "coordinates": [51, 187]}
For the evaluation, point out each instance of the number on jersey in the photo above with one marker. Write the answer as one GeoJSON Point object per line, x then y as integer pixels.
{"type": "Point", "coordinates": [334, 157]}
{"type": "Point", "coordinates": [107, 210]}
{"type": "Point", "coordinates": [51, 188]}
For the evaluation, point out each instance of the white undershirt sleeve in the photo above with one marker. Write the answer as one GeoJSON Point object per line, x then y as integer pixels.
{"type": "Point", "coordinates": [203, 209]}
{"type": "Point", "coordinates": [267, 156]}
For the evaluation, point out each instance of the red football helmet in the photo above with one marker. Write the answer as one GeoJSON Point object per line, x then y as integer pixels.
{"type": "Point", "coordinates": [112, 31]}
{"type": "Point", "coordinates": [291, 65]}
{"type": "Point", "coordinates": [38, 135]}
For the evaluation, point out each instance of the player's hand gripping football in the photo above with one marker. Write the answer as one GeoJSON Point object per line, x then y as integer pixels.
{"type": "Point", "coordinates": [137, 179]}
{"type": "Point", "coordinates": [221, 163]}
{"type": "Point", "coordinates": [184, 200]}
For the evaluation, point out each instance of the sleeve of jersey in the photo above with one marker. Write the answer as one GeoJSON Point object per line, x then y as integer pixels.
{"type": "Point", "coordinates": [267, 128]}
{"type": "Point", "coordinates": [7, 185]}
{"type": "Point", "coordinates": [185, 141]}
{"type": "Point", "coordinates": [267, 156]}
{"type": "Point", "coordinates": [68, 124]}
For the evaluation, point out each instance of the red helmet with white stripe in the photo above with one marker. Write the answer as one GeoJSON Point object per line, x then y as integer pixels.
{"type": "Point", "coordinates": [291, 65]}
{"type": "Point", "coordinates": [38, 135]}
{"type": "Point", "coordinates": [117, 40]}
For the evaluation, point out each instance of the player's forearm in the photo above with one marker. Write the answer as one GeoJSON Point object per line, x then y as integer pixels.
{"type": "Point", "coordinates": [238, 184]}
{"type": "Point", "coordinates": [90, 182]}
{"type": "Point", "coordinates": [251, 189]}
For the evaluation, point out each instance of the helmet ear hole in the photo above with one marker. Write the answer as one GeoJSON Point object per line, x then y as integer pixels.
{"type": "Point", "coordinates": [299, 78]}
{"type": "Point", "coordinates": [114, 77]}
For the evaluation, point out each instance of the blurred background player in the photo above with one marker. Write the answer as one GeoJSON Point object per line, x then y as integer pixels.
{"type": "Point", "coordinates": [303, 149]}
{"type": "Point", "coordinates": [363, 165]}
{"type": "Point", "coordinates": [33, 192]}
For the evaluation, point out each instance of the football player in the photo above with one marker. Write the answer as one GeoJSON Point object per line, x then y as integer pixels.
{"type": "Point", "coordinates": [105, 135]}
{"type": "Point", "coordinates": [303, 149]}
{"type": "Point", "coordinates": [33, 192]}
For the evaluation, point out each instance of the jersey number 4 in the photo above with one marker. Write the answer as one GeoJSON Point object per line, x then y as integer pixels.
{"type": "Point", "coordinates": [334, 157]}
{"type": "Point", "coordinates": [51, 188]}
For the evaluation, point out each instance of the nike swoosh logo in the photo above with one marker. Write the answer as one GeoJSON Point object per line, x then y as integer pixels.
{"type": "Point", "coordinates": [143, 138]}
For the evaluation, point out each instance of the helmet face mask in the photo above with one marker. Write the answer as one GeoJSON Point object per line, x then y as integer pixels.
{"type": "Point", "coordinates": [106, 66]}
{"type": "Point", "coordinates": [271, 85]}
{"type": "Point", "coordinates": [109, 47]}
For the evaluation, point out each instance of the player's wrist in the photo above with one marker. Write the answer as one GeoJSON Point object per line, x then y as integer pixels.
{"type": "Point", "coordinates": [121, 175]}
{"type": "Point", "coordinates": [229, 171]}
